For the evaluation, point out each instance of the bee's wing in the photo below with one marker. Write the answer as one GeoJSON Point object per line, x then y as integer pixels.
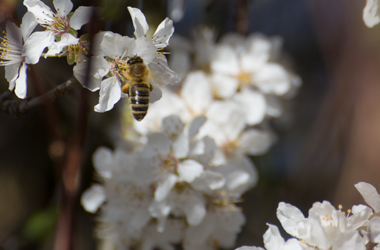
{"type": "Point", "coordinates": [156, 94]}
{"type": "Point", "coordinates": [161, 73]}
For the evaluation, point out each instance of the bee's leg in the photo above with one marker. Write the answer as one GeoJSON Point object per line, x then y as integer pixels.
{"type": "Point", "coordinates": [125, 88]}
{"type": "Point", "coordinates": [151, 87]}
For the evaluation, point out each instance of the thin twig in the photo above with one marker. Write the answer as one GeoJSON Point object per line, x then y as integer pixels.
{"type": "Point", "coordinates": [241, 17]}
{"type": "Point", "coordinates": [17, 107]}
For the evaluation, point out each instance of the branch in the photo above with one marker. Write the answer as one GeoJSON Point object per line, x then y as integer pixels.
{"type": "Point", "coordinates": [20, 107]}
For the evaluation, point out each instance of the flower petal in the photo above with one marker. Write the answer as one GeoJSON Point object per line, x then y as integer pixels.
{"type": "Point", "coordinates": [188, 170]}
{"type": "Point", "coordinates": [11, 74]}
{"type": "Point", "coordinates": [196, 91]}
{"type": "Point", "coordinates": [289, 215]}
{"type": "Point", "coordinates": [99, 68]}
{"type": "Point", "coordinates": [273, 239]}
{"type": "Point", "coordinates": [21, 85]}
{"type": "Point", "coordinates": [103, 160]}
{"type": "Point", "coordinates": [224, 86]}
{"type": "Point", "coordinates": [81, 16]}
{"type": "Point", "coordinates": [254, 104]}
{"type": "Point", "coordinates": [28, 24]}
{"type": "Point", "coordinates": [371, 15]}
{"type": "Point", "coordinates": [196, 125]}
{"type": "Point", "coordinates": [370, 195]}
{"type": "Point", "coordinates": [161, 73]}
{"type": "Point", "coordinates": [63, 7]}
{"type": "Point", "coordinates": [272, 79]}
{"type": "Point", "coordinates": [110, 93]}
{"type": "Point", "coordinates": [255, 142]}
{"type": "Point", "coordinates": [163, 33]}
{"type": "Point", "coordinates": [225, 61]}
{"type": "Point", "coordinates": [114, 45]}
{"type": "Point", "coordinates": [93, 198]}
{"type": "Point", "coordinates": [35, 45]}
{"type": "Point", "coordinates": [164, 187]}
{"type": "Point", "coordinates": [66, 40]}
{"type": "Point", "coordinates": [139, 22]}
{"type": "Point", "coordinates": [41, 11]}
{"type": "Point", "coordinates": [194, 208]}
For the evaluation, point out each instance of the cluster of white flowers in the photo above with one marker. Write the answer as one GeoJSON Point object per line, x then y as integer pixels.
{"type": "Point", "coordinates": [110, 53]}
{"type": "Point", "coordinates": [178, 178]}
{"type": "Point", "coordinates": [327, 227]}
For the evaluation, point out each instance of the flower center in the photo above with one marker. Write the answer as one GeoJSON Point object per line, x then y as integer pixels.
{"type": "Point", "coordinates": [58, 24]}
{"type": "Point", "coordinates": [221, 201]}
{"type": "Point", "coordinates": [230, 148]}
{"type": "Point", "coordinates": [76, 50]}
{"type": "Point", "coordinates": [170, 164]}
{"type": "Point", "coordinates": [10, 51]}
{"type": "Point", "coordinates": [244, 79]}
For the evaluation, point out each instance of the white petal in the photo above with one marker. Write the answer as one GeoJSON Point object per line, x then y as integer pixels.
{"type": "Point", "coordinates": [259, 53]}
{"type": "Point", "coordinates": [110, 93]}
{"type": "Point", "coordinates": [272, 79]}
{"type": "Point", "coordinates": [114, 45]}
{"type": "Point", "coordinates": [93, 198]}
{"type": "Point", "coordinates": [161, 73]}
{"type": "Point", "coordinates": [163, 33]}
{"type": "Point", "coordinates": [289, 215]}
{"type": "Point", "coordinates": [224, 86]}
{"type": "Point", "coordinates": [28, 24]}
{"type": "Point", "coordinates": [41, 11]}
{"type": "Point", "coordinates": [14, 34]}
{"type": "Point", "coordinates": [63, 7]}
{"type": "Point", "coordinates": [11, 74]}
{"type": "Point", "coordinates": [209, 180]}
{"type": "Point", "coordinates": [349, 241]}
{"type": "Point", "coordinates": [181, 146]}
{"type": "Point", "coordinates": [374, 229]}
{"type": "Point", "coordinates": [164, 187]}
{"type": "Point", "coordinates": [196, 91]}
{"type": "Point", "coordinates": [155, 94]}
{"type": "Point", "coordinates": [103, 160]}
{"type": "Point", "coordinates": [145, 49]}
{"type": "Point", "coordinates": [21, 86]}
{"type": "Point", "coordinates": [66, 40]}
{"type": "Point", "coordinates": [249, 248]}
{"type": "Point", "coordinates": [274, 107]}
{"type": "Point", "coordinates": [254, 105]}
{"type": "Point", "coordinates": [35, 45]}
{"type": "Point", "coordinates": [224, 61]}
{"type": "Point", "coordinates": [195, 210]}
{"type": "Point", "coordinates": [294, 244]}
{"type": "Point", "coordinates": [172, 126]}
{"type": "Point", "coordinates": [176, 9]}
{"type": "Point", "coordinates": [196, 125]}
{"type": "Point", "coordinates": [139, 22]}
{"type": "Point", "coordinates": [188, 170]}
{"type": "Point", "coordinates": [255, 142]}
{"type": "Point", "coordinates": [370, 195]}
{"type": "Point", "coordinates": [99, 68]}
{"type": "Point", "coordinates": [371, 15]}
{"type": "Point", "coordinates": [81, 16]}
{"type": "Point", "coordinates": [160, 210]}
{"type": "Point", "coordinates": [273, 239]}
{"type": "Point", "coordinates": [360, 215]}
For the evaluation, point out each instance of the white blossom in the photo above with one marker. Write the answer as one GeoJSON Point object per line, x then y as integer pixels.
{"type": "Point", "coordinates": [371, 14]}
{"type": "Point", "coordinates": [118, 49]}
{"type": "Point", "coordinates": [13, 55]}
{"type": "Point", "coordinates": [325, 227]}
{"type": "Point", "coordinates": [56, 24]}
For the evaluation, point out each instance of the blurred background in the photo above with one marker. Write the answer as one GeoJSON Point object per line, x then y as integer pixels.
{"type": "Point", "coordinates": [328, 140]}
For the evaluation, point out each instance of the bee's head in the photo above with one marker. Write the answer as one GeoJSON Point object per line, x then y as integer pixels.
{"type": "Point", "coordinates": [134, 60]}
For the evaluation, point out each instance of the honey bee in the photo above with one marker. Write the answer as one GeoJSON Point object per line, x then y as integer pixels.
{"type": "Point", "coordinates": [137, 86]}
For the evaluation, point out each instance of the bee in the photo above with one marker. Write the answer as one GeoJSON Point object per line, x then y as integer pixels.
{"type": "Point", "coordinates": [138, 88]}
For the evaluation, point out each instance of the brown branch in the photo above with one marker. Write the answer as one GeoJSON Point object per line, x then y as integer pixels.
{"type": "Point", "coordinates": [19, 107]}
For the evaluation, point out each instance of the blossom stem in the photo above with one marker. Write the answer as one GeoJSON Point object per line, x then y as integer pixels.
{"type": "Point", "coordinates": [20, 107]}
{"type": "Point", "coordinates": [44, 54]}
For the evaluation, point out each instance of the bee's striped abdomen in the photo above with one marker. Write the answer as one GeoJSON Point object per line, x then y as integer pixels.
{"type": "Point", "coordinates": [139, 99]}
